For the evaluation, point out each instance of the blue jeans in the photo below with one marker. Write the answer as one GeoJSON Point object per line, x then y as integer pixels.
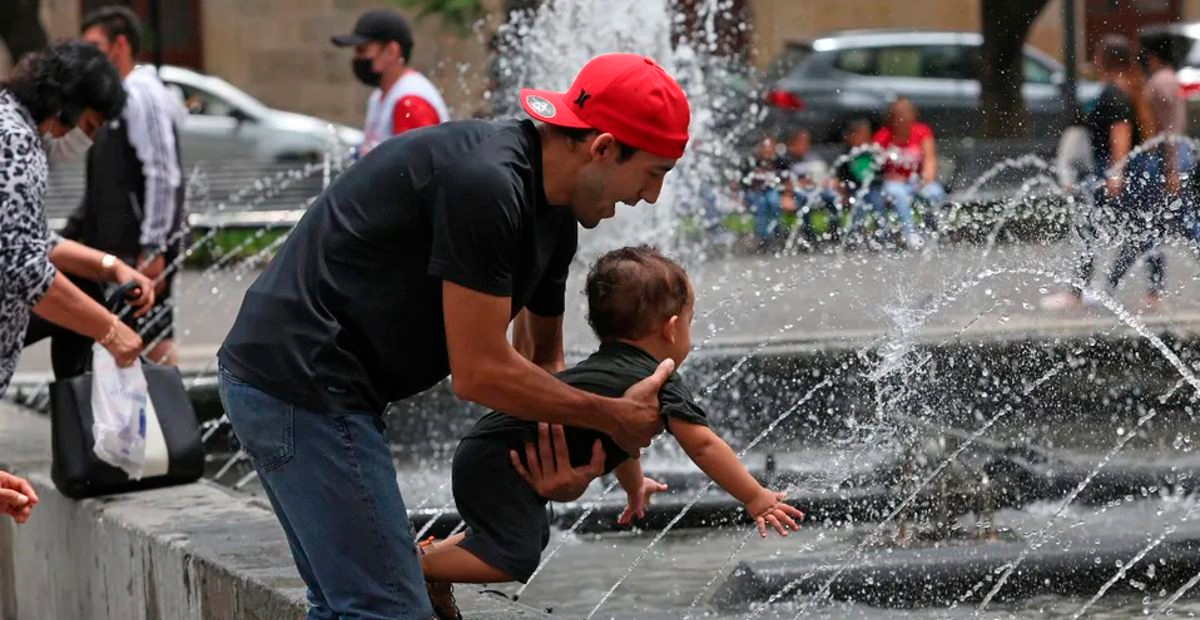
{"type": "Point", "coordinates": [901, 195]}
{"type": "Point", "coordinates": [331, 481]}
{"type": "Point", "coordinates": [765, 205]}
{"type": "Point", "coordinates": [1143, 204]}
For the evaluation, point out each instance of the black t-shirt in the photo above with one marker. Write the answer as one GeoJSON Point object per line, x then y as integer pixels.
{"type": "Point", "coordinates": [348, 315]}
{"type": "Point", "coordinates": [611, 370]}
{"type": "Point", "coordinates": [1110, 108]}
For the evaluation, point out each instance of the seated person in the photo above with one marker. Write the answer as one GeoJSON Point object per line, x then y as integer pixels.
{"type": "Point", "coordinates": [807, 175]}
{"type": "Point", "coordinates": [911, 166]}
{"type": "Point", "coordinates": [762, 185]}
{"type": "Point", "coordinates": [804, 169]}
{"type": "Point", "coordinates": [856, 173]}
{"type": "Point", "coordinates": [640, 307]}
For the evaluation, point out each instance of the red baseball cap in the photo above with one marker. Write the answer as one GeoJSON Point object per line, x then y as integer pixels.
{"type": "Point", "coordinates": [626, 95]}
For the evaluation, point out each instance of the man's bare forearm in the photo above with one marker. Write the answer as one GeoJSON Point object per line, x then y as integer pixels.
{"type": "Point", "coordinates": [524, 390]}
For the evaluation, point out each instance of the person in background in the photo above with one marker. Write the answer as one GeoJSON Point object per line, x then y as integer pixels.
{"type": "Point", "coordinates": [1114, 126]}
{"type": "Point", "coordinates": [811, 188]}
{"type": "Point", "coordinates": [856, 174]}
{"type": "Point", "coordinates": [1154, 176]}
{"type": "Point", "coordinates": [402, 98]}
{"type": "Point", "coordinates": [762, 192]}
{"type": "Point", "coordinates": [50, 107]}
{"type": "Point", "coordinates": [133, 202]}
{"type": "Point", "coordinates": [17, 497]}
{"type": "Point", "coordinates": [805, 169]}
{"type": "Point", "coordinates": [911, 166]}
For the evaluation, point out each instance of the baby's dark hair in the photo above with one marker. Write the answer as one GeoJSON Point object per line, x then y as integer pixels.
{"type": "Point", "coordinates": [632, 290]}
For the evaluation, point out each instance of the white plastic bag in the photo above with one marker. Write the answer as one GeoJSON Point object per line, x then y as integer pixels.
{"type": "Point", "coordinates": [1073, 160]}
{"type": "Point", "coordinates": [120, 405]}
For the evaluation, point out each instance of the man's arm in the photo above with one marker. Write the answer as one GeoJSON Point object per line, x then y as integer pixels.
{"type": "Point", "coordinates": [486, 369]}
{"type": "Point", "coordinates": [152, 135]}
{"type": "Point", "coordinates": [1120, 138]}
{"type": "Point", "coordinates": [928, 161]}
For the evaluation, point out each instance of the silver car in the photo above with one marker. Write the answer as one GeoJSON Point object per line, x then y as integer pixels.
{"type": "Point", "coordinates": [225, 123]}
{"type": "Point", "coordinates": [249, 155]}
{"type": "Point", "coordinates": [823, 84]}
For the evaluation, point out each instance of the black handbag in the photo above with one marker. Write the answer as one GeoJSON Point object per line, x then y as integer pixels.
{"type": "Point", "coordinates": [77, 471]}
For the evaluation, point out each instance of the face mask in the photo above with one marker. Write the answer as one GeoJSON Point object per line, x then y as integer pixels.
{"type": "Point", "coordinates": [364, 73]}
{"type": "Point", "coordinates": [72, 145]}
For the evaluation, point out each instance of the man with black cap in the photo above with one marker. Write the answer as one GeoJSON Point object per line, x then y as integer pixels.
{"type": "Point", "coordinates": [403, 99]}
{"type": "Point", "coordinates": [411, 267]}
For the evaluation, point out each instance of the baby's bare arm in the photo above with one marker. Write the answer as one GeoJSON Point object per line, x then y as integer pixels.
{"type": "Point", "coordinates": [717, 460]}
{"type": "Point", "coordinates": [629, 474]}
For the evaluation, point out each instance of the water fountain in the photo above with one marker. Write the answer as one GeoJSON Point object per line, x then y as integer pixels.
{"type": "Point", "coordinates": [958, 452]}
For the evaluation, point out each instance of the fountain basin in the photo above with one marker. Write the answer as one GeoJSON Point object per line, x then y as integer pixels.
{"type": "Point", "coordinates": [938, 577]}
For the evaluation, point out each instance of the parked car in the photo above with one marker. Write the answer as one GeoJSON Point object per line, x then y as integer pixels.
{"type": "Point", "coordinates": [225, 123]}
{"type": "Point", "coordinates": [1185, 47]}
{"type": "Point", "coordinates": [856, 74]}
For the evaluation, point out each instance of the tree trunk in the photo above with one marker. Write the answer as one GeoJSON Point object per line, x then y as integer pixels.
{"type": "Point", "coordinates": [1005, 25]}
{"type": "Point", "coordinates": [21, 28]}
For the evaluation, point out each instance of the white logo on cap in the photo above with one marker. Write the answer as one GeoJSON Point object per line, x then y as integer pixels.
{"type": "Point", "coordinates": [540, 106]}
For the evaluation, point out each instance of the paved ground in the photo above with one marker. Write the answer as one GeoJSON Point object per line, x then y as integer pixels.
{"type": "Point", "coordinates": [839, 298]}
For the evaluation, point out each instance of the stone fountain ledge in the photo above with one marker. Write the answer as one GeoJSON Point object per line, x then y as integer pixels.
{"type": "Point", "coordinates": [187, 552]}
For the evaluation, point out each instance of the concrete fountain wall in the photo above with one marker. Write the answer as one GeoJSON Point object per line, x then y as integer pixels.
{"type": "Point", "coordinates": [190, 552]}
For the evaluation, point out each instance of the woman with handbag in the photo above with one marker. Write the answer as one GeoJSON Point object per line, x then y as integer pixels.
{"type": "Point", "coordinates": [50, 107]}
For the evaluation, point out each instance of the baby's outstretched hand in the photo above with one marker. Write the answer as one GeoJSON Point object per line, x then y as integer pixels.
{"type": "Point", "coordinates": [637, 501]}
{"type": "Point", "coordinates": [769, 509]}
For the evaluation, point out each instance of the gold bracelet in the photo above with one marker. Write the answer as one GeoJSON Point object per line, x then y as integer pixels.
{"type": "Point", "coordinates": [112, 333]}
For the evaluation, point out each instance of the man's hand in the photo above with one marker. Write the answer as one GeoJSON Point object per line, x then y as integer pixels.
{"type": "Point", "coordinates": [548, 470]}
{"type": "Point", "coordinates": [639, 420]}
{"type": "Point", "coordinates": [636, 506]}
{"type": "Point", "coordinates": [17, 497]}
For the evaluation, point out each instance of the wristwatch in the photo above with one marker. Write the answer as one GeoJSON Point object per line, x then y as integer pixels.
{"type": "Point", "coordinates": [108, 262]}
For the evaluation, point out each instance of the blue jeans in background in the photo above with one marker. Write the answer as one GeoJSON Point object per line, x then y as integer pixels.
{"type": "Point", "coordinates": [331, 481]}
{"type": "Point", "coordinates": [765, 204]}
{"type": "Point", "coordinates": [900, 194]}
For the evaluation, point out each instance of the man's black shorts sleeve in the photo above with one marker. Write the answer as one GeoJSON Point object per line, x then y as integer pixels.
{"type": "Point", "coordinates": [476, 230]}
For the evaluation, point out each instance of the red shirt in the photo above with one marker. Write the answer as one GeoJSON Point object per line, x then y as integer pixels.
{"type": "Point", "coordinates": [905, 158]}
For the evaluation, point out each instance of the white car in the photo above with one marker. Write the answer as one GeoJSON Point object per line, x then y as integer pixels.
{"type": "Point", "coordinates": [225, 123]}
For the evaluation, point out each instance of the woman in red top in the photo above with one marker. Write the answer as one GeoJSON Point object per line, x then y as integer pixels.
{"type": "Point", "coordinates": [911, 165]}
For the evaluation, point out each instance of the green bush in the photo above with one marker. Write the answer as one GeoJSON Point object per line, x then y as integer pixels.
{"type": "Point", "coordinates": [230, 245]}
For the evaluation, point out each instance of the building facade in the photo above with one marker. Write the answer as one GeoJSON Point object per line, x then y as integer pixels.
{"type": "Point", "coordinates": [279, 50]}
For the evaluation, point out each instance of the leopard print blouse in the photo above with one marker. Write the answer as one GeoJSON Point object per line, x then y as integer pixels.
{"type": "Point", "coordinates": [25, 242]}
